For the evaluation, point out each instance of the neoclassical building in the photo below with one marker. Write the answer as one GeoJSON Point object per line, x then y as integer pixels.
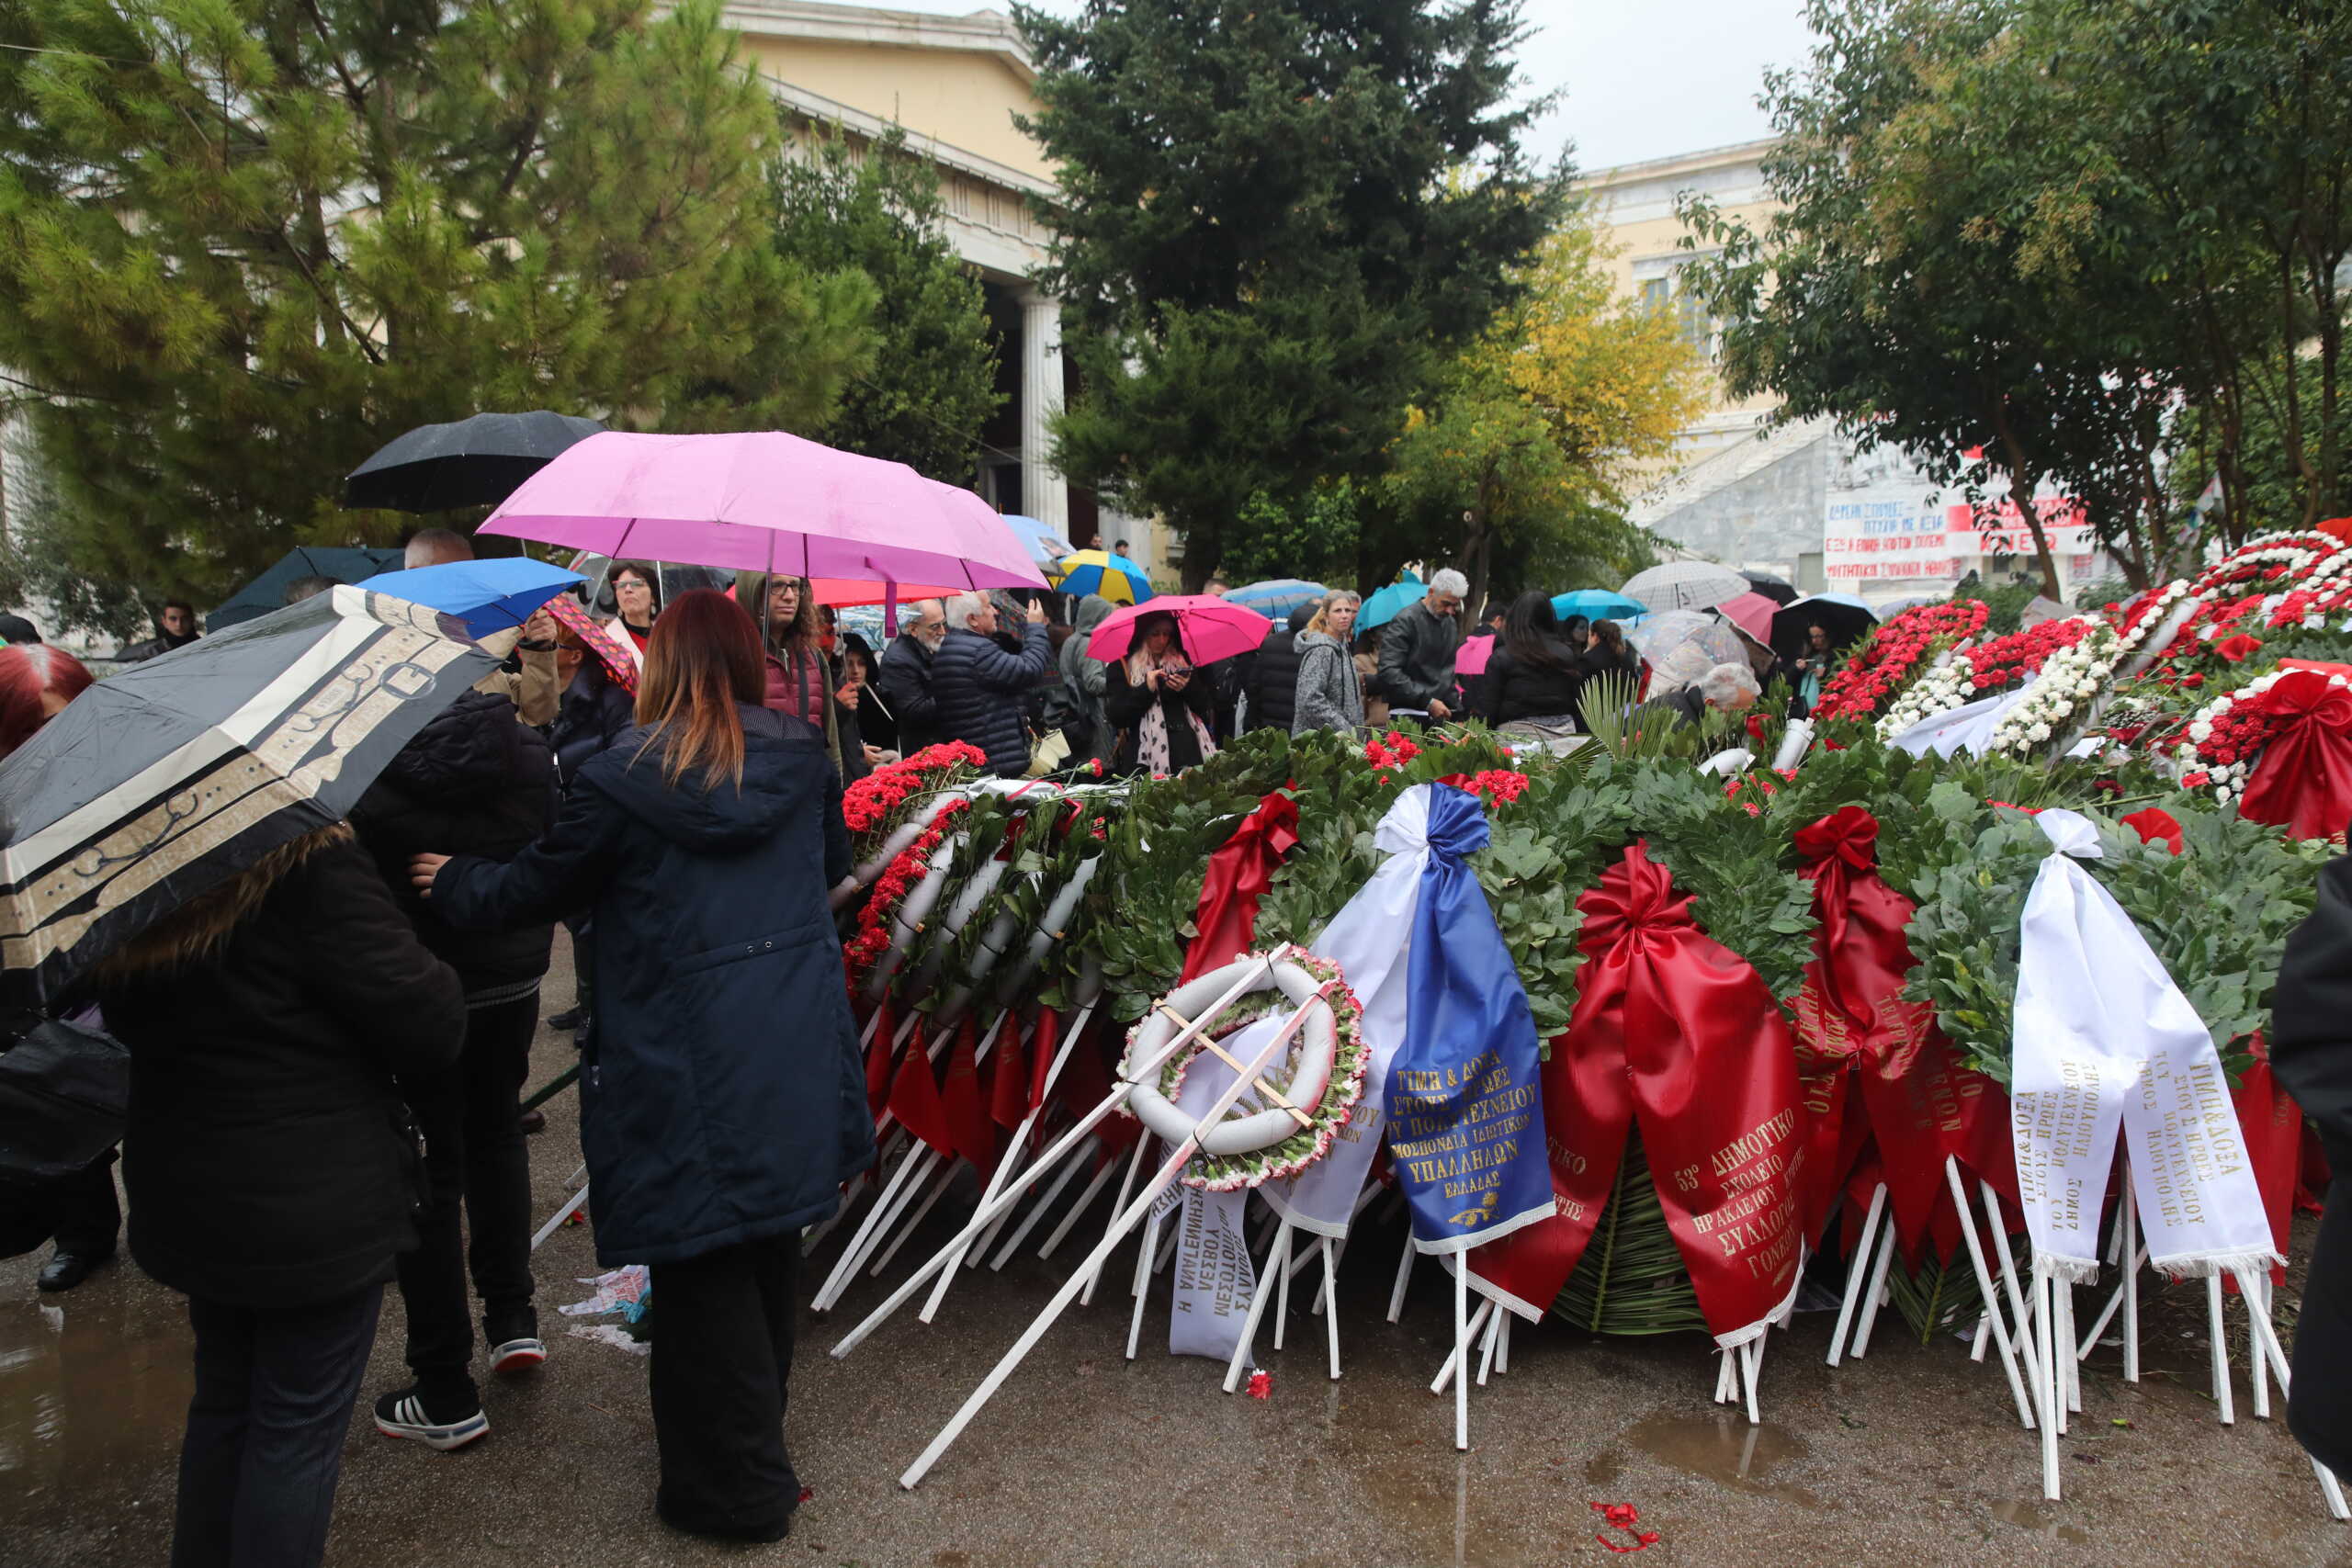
{"type": "Point", "coordinates": [954, 85]}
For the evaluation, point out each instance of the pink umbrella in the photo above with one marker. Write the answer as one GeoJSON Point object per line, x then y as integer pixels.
{"type": "Point", "coordinates": [763, 501]}
{"type": "Point", "coordinates": [1751, 613]}
{"type": "Point", "coordinates": [1471, 658]}
{"type": "Point", "coordinates": [1210, 628]}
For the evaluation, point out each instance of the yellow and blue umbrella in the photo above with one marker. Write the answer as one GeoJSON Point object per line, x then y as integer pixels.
{"type": "Point", "coordinates": [1114, 576]}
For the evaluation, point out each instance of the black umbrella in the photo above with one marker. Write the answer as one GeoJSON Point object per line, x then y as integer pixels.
{"type": "Point", "coordinates": [162, 782]}
{"type": "Point", "coordinates": [1846, 620]}
{"type": "Point", "coordinates": [472, 462]}
{"type": "Point", "coordinates": [1776, 588]}
{"type": "Point", "coordinates": [267, 592]}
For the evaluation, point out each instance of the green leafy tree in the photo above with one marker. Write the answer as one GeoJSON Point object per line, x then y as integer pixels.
{"type": "Point", "coordinates": [244, 242]}
{"type": "Point", "coordinates": [1279, 221]}
{"type": "Point", "coordinates": [877, 209]}
{"type": "Point", "coordinates": [1313, 537]}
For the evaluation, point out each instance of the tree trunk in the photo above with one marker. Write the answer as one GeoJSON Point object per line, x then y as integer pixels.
{"type": "Point", "coordinates": [2021, 484]}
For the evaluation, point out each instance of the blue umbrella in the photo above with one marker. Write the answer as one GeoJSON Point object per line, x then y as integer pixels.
{"type": "Point", "coordinates": [1276, 597]}
{"type": "Point", "coordinates": [1113, 576]}
{"type": "Point", "coordinates": [1596, 604]}
{"type": "Point", "coordinates": [1046, 546]}
{"type": "Point", "coordinates": [267, 592]}
{"type": "Point", "coordinates": [1384, 605]}
{"type": "Point", "coordinates": [487, 595]}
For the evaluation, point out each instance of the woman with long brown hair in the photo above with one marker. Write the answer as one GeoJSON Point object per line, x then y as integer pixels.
{"type": "Point", "coordinates": [799, 676]}
{"type": "Point", "coordinates": [722, 1100]}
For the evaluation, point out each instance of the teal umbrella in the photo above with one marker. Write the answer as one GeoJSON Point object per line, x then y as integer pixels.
{"type": "Point", "coordinates": [1384, 605]}
{"type": "Point", "coordinates": [1596, 604]}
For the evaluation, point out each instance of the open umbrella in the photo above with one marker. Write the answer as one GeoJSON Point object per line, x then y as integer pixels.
{"type": "Point", "coordinates": [618, 657]}
{"type": "Point", "coordinates": [267, 592]}
{"type": "Point", "coordinates": [1046, 548]}
{"type": "Point", "coordinates": [1474, 654]}
{"type": "Point", "coordinates": [1685, 585]}
{"type": "Point", "coordinates": [485, 595]}
{"type": "Point", "coordinates": [765, 500]}
{"type": "Point", "coordinates": [1277, 597]}
{"type": "Point", "coordinates": [468, 462]}
{"type": "Point", "coordinates": [1846, 619]}
{"type": "Point", "coordinates": [1210, 628]}
{"type": "Point", "coordinates": [1751, 613]}
{"type": "Point", "coordinates": [1779, 590]}
{"type": "Point", "coordinates": [1384, 605]}
{"type": "Point", "coordinates": [162, 782]}
{"type": "Point", "coordinates": [1596, 604]}
{"type": "Point", "coordinates": [1103, 572]}
{"type": "Point", "coordinates": [1682, 645]}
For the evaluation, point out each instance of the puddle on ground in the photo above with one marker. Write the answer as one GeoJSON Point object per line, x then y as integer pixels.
{"type": "Point", "coordinates": [1727, 1450]}
{"type": "Point", "coordinates": [2036, 1517]}
{"type": "Point", "coordinates": [93, 1385]}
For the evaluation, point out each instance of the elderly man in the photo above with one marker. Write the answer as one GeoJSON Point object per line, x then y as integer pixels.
{"type": "Point", "coordinates": [904, 676]}
{"type": "Point", "coordinates": [979, 689]}
{"type": "Point", "coordinates": [1727, 688]}
{"type": "Point", "coordinates": [1416, 649]}
{"type": "Point", "coordinates": [534, 689]}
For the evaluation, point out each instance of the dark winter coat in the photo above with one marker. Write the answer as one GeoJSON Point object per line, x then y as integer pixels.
{"type": "Point", "coordinates": [1272, 684]}
{"type": "Point", "coordinates": [153, 647]}
{"type": "Point", "coordinates": [1417, 651]}
{"type": "Point", "coordinates": [472, 781]}
{"type": "Point", "coordinates": [723, 1099]}
{"type": "Point", "coordinates": [1126, 707]}
{"type": "Point", "coordinates": [267, 1156]}
{"type": "Point", "coordinates": [1520, 688]}
{"type": "Point", "coordinates": [595, 711]}
{"type": "Point", "coordinates": [982, 692]}
{"type": "Point", "coordinates": [904, 676]}
{"type": "Point", "coordinates": [2310, 1049]}
{"type": "Point", "coordinates": [1084, 679]}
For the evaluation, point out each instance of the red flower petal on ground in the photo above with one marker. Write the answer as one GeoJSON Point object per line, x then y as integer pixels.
{"type": "Point", "coordinates": [1261, 1386]}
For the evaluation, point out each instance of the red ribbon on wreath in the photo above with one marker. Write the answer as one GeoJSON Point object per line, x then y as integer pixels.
{"type": "Point", "coordinates": [2303, 783]}
{"type": "Point", "coordinates": [1917, 1099]}
{"type": "Point", "coordinates": [1673, 1028]}
{"type": "Point", "coordinates": [1240, 875]}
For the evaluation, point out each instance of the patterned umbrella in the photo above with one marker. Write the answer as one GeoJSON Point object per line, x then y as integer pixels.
{"type": "Point", "coordinates": [1114, 576]}
{"type": "Point", "coordinates": [1682, 645]}
{"type": "Point", "coordinates": [618, 659]}
{"type": "Point", "coordinates": [164, 781]}
{"type": "Point", "coordinates": [1686, 585]}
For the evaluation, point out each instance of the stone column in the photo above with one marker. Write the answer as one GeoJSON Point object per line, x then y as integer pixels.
{"type": "Point", "coordinates": [1042, 492]}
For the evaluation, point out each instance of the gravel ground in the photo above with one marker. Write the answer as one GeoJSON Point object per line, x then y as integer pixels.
{"type": "Point", "coordinates": [1912, 1456]}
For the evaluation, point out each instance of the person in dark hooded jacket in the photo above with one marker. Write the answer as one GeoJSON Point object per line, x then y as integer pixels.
{"type": "Point", "coordinates": [472, 779]}
{"type": "Point", "coordinates": [1271, 684]}
{"type": "Point", "coordinates": [271, 1169]}
{"type": "Point", "coordinates": [2310, 1051]}
{"type": "Point", "coordinates": [723, 1102]}
{"type": "Point", "coordinates": [593, 710]}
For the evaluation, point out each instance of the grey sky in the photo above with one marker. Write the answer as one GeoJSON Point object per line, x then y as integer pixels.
{"type": "Point", "coordinates": [1642, 78]}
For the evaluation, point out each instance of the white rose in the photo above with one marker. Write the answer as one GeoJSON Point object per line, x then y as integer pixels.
{"type": "Point", "coordinates": [2200, 732]}
{"type": "Point", "coordinates": [2040, 732]}
{"type": "Point", "coordinates": [2222, 795]}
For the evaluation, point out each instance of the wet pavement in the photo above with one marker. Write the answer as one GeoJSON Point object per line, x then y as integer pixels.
{"type": "Point", "coordinates": [1912, 1456]}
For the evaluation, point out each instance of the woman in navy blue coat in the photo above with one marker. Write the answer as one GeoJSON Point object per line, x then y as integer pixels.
{"type": "Point", "coordinates": [723, 1101]}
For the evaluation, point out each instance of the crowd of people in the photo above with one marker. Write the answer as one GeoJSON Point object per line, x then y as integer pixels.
{"type": "Point", "coordinates": [329, 1053]}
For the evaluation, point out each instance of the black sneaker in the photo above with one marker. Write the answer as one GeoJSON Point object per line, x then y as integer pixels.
{"type": "Point", "coordinates": [569, 1019]}
{"type": "Point", "coordinates": [513, 1340]}
{"type": "Point", "coordinates": [406, 1414]}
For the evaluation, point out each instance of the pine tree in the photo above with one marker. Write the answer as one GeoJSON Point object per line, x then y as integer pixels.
{"type": "Point", "coordinates": [933, 384]}
{"type": "Point", "coordinates": [244, 242]}
{"type": "Point", "coordinates": [1279, 217]}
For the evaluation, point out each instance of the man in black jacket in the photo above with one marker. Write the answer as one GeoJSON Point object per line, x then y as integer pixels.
{"type": "Point", "coordinates": [174, 627]}
{"type": "Point", "coordinates": [1271, 684]}
{"type": "Point", "coordinates": [473, 780]}
{"type": "Point", "coordinates": [904, 677]}
{"type": "Point", "coordinates": [1417, 648]}
{"type": "Point", "coordinates": [981, 689]}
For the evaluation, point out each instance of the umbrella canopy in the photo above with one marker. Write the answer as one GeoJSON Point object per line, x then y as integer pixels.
{"type": "Point", "coordinates": [1682, 645]}
{"type": "Point", "coordinates": [1776, 588]}
{"type": "Point", "coordinates": [1475, 652]}
{"type": "Point", "coordinates": [1846, 619]}
{"type": "Point", "coordinates": [162, 782]}
{"type": "Point", "coordinates": [485, 595]}
{"type": "Point", "coordinates": [1686, 585]}
{"type": "Point", "coordinates": [1046, 548]}
{"type": "Point", "coordinates": [1384, 605]}
{"type": "Point", "coordinates": [468, 462]}
{"type": "Point", "coordinates": [1103, 572]}
{"type": "Point", "coordinates": [267, 592]}
{"type": "Point", "coordinates": [1751, 613]}
{"type": "Point", "coordinates": [1276, 597]}
{"type": "Point", "coordinates": [1596, 604]}
{"type": "Point", "coordinates": [618, 656]}
{"type": "Point", "coordinates": [1210, 628]}
{"type": "Point", "coordinates": [1894, 607]}
{"type": "Point", "coordinates": [763, 501]}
